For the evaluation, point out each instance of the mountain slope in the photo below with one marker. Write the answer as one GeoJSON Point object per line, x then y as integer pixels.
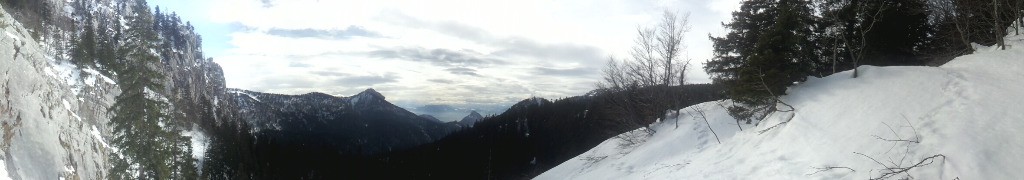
{"type": "Point", "coordinates": [960, 120]}
{"type": "Point", "coordinates": [530, 137]}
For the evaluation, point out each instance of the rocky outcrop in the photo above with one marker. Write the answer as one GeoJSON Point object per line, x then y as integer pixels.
{"type": "Point", "coordinates": [53, 115]}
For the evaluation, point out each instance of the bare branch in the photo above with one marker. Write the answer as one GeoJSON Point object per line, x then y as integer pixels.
{"type": "Point", "coordinates": [772, 127]}
{"type": "Point", "coordinates": [917, 138]}
{"type": "Point", "coordinates": [890, 171]}
{"type": "Point", "coordinates": [829, 168]}
{"type": "Point", "coordinates": [703, 116]}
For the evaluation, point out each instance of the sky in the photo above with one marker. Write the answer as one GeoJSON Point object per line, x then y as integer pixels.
{"type": "Point", "coordinates": [464, 53]}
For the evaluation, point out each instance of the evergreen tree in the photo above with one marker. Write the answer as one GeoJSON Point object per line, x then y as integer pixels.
{"type": "Point", "coordinates": [150, 146]}
{"type": "Point", "coordinates": [884, 32]}
{"type": "Point", "coordinates": [83, 52]}
{"type": "Point", "coordinates": [899, 34]}
{"type": "Point", "coordinates": [770, 47]}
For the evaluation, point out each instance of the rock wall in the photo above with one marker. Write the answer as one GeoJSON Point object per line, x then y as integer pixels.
{"type": "Point", "coordinates": [53, 115]}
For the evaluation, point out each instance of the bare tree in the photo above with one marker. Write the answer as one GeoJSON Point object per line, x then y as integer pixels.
{"type": "Point", "coordinates": [857, 51]}
{"type": "Point", "coordinates": [614, 75]}
{"type": "Point", "coordinates": [655, 60]}
{"type": "Point", "coordinates": [645, 64]}
{"type": "Point", "coordinates": [1018, 9]}
{"type": "Point", "coordinates": [997, 25]}
{"type": "Point", "coordinates": [951, 11]}
{"type": "Point", "coordinates": [657, 57]}
{"type": "Point", "coordinates": [670, 44]}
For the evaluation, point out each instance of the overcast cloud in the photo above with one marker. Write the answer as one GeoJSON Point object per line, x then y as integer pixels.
{"type": "Point", "coordinates": [465, 53]}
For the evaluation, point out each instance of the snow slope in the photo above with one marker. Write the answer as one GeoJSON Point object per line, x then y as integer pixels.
{"type": "Point", "coordinates": [967, 115]}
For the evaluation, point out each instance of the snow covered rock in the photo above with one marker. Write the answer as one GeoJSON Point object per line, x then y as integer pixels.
{"type": "Point", "coordinates": [52, 114]}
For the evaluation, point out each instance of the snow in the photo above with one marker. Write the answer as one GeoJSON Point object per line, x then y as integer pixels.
{"type": "Point", "coordinates": [68, 107]}
{"type": "Point", "coordinates": [3, 171]}
{"type": "Point", "coordinates": [199, 143]}
{"type": "Point", "coordinates": [964, 118]}
{"type": "Point", "coordinates": [246, 94]}
{"type": "Point", "coordinates": [96, 134]}
{"type": "Point", "coordinates": [95, 73]}
{"type": "Point", "coordinates": [12, 36]}
{"type": "Point", "coordinates": [150, 94]}
{"type": "Point", "coordinates": [69, 169]}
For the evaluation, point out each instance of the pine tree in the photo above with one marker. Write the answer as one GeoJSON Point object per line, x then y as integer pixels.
{"type": "Point", "coordinates": [770, 47]}
{"type": "Point", "coordinates": [884, 32]}
{"type": "Point", "coordinates": [150, 146]}
{"type": "Point", "coordinates": [84, 51]}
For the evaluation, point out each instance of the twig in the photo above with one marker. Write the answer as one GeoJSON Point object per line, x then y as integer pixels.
{"type": "Point", "coordinates": [916, 135]}
{"type": "Point", "coordinates": [898, 138]}
{"type": "Point", "coordinates": [705, 117]}
{"type": "Point", "coordinates": [829, 168]}
{"type": "Point", "coordinates": [737, 120]}
{"type": "Point", "coordinates": [873, 159]}
{"type": "Point", "coordinates": [772, 127]}
{"type": "Point", "coordinates": [892, 171]}
{"type": "Point", "coordinates": [899, 170]}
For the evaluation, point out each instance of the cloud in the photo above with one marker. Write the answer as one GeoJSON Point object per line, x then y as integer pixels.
{"type": "Point", "coordinates": [267, 3]}
{"type": "Point", "coordinates": [329, 73]}
{"type": "Point", "coordinates": [442, 81]}
{"type": "Point", "coordinates": [337, 34]}
{"type": "Point", "coordinates": [299, 64]}
{"type": "Point", "coordinates": [574, 72]}
{"type": "Point", "coordinates": [439, 52]}
{"type": "Point", "coordinates": [511, 46]}
{"type": "Point", "coordinates": [518, 46]}
{"type": "Point", "coordinates": [463, 71]}
{"type": "Point", "coordinates": [440, 57]}
{"type": "Point", "coordinates": [356, 81]}
{"type": "Point", "coordinates": [285, 82]}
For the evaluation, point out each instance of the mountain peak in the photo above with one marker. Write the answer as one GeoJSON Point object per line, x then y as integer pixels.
{"type": "Point", "coordinates": [474, 114]}
{"type": "Point", "coordinates": [370, 93]}
{"type": "Point", "coordinates": [471, 119]}
{"type": "Point", "coordinates": [367, 97]}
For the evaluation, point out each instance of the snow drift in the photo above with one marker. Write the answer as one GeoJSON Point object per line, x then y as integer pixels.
{"type": "Point", "coordinates": [961, 120]}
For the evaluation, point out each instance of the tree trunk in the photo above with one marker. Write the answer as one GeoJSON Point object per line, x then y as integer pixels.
{"type": "Point", "coordinates": [997, 25]}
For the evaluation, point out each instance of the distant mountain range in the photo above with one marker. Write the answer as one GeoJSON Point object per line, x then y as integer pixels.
{"type": "Point", "coordinates": [362, 123]}
{"type": "Point", "coordinates": [455, 113]}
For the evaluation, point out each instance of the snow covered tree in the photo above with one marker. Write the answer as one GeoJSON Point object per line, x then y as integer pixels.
{"type": "Point", "coordinates": [770, 46]}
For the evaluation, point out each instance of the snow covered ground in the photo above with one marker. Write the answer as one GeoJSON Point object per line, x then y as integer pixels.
{"type": "Point", "coordinates": [962, 120]}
